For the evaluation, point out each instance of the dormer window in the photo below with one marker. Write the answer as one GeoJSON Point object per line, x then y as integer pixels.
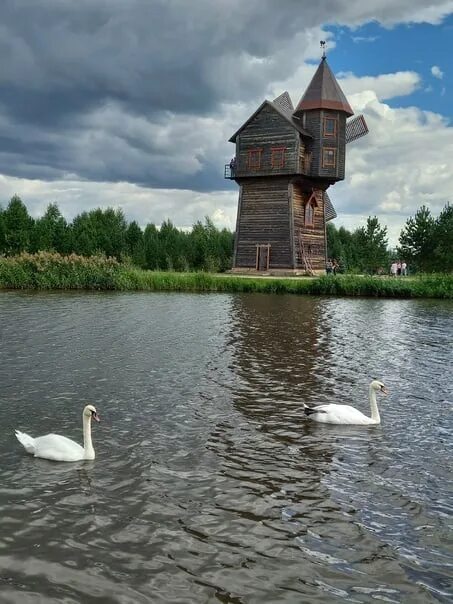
{"type": "Point", "coordinates": [329, 157]}
{"type": "Point", "coordinates": [278, 157]}
{"type": "Point", "coordinates": [330, 126]}
{"type": "Point", "coordinates": [254, 159]}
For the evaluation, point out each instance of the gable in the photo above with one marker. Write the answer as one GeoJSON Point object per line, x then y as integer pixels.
{"type": "Point", "coordinates": [269, 122]}
{"type": "Point", "coordinates": [270, 109]}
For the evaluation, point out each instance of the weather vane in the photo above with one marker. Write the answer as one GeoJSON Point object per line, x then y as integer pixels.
{"type": "Point", "coordinates": [323, 47]}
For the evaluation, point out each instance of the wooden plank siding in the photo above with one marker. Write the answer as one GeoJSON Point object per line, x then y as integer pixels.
{"type": "Point", "coordinates": [314, 122]}
{"type": "Point", "coordinates": [266, 131]}
{"type": "Point", "coordinates": [263, 217]}
{"type": "Point", "coordinates": [313, 236]}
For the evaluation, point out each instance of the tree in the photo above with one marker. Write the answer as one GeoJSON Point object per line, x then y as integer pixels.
{"type": "Point", "coordinates": [443, 240]}
{"type": "Point", "coordinates": [172, 247]}
{"type": "Point", "coordinates": [417, 240]}
{"type": "Point", "coordinates": [371, 242]}
{"type": "Point", "coordinates": [135, 244]}
{"type": "Point", "coordinates": [342, 248]}
{"type": "Point", "coordinates": [151, 245]}
{"type": "Point", "coordinates": [2, 232]}
{"type": "Point", "coordinates": [17, 226]}
{"type": "Point", "coordinates": [50, 232]}
{"type": "Point", "coordinates": [100, 231]}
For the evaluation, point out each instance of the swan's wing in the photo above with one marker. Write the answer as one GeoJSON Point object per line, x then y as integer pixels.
{"type": "Point", "coordinates": [337, 414]}
{"type": "Point", "coordinates": [58, 448]}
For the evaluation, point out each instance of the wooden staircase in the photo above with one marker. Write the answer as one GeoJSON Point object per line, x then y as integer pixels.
{"type": "Point", "coordinates": [304, 256]}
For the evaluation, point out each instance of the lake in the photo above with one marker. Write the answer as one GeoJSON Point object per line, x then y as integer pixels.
{"type": "Point", "coordinates": [209, 484]}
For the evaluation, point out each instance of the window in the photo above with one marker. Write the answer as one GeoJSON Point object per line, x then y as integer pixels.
{"type": "Point", "coordinates": [254, 159]}
{"type": "Point", "coordinates": [278, 157]}
{"type": "Point", "coordinates": [329, 157]}
{"type": "Point", "coordinates": [330, 126]}
{"type": "Point", "coordinates": [309, 212]}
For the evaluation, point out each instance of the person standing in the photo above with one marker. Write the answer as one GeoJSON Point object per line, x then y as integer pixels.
{"type": "Point", "coordinates": [329, 266]}
{"type": "Point", "coordinates": [393, 268]}
{"type": "Point", "coordinates": [403, 268]}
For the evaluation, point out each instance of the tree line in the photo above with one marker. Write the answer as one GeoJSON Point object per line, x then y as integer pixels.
{"type": "Point", "coordinates": [107, 232]}
{"type": "Point", "coordinates": [425, 242]}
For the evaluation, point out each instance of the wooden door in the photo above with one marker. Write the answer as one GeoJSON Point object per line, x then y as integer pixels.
{"type": "Point", "coordinates": [262, 257]}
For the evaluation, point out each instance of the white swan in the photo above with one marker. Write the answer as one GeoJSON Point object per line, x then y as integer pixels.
{"type": "Point", "coordinates": [331, 413]}
{"type": "Point", "coordinates": [60, 448]}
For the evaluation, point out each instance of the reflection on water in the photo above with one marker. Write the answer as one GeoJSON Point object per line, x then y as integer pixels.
{"type": "Point", "coordinates": [209, 484]}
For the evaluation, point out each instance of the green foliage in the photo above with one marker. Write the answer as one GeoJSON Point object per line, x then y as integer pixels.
{"type": "Point", "coordinates": [51, 232]}
{"type": "Point", "coordinates": [364, 250]}
{"type": "Point", "coordinates": [426, 242]}
{"type": "Point", "coordinates": [135, 244]}
{"type": "Point", "coordinates": [99, 231]}
{"type": "Point", "coordinates": [16, 229]}
{"type": "Point", "coordinates": [46, 270]}
{"type": "Point", "coordinates": [372, 242]}
{"type": "Point", "coordinates": [107, 232]}
{"type": "Point", "coordinates": [443, 241]}
{"type": "Point", "coordinates": [417, 239]}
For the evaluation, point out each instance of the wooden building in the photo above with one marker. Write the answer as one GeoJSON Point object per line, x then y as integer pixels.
{"type": "Point", "coordinates": [285, 161]}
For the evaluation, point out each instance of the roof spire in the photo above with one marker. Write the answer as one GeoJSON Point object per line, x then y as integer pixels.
{"type": "Point", "coordinates": [322, 43]}
{"type": "Point", "coordinates": [324, 92]}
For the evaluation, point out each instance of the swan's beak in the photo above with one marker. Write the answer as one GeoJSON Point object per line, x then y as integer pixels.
{"type": "Point", "coordinates": [384, 391]}
{"type": "Point", "coordinates": [96, 417]}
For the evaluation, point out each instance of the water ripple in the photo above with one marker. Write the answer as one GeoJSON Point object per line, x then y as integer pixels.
{"type": "Point", "coordinates": [209, 484]}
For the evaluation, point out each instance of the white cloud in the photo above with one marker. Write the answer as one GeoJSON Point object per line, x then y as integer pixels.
{"type": "Point", "coordinates": [142, 204]}
{"type": "Point", "coordinates": [402, 164]}
{"type": "Point", "coordinates": [359, 39]}
{"type": "Point", "coordinates": [385, 86]}
{"type": "Point", "coordinates": [436, 72]}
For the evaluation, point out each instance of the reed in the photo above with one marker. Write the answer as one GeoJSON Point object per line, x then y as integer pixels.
{"type": "Point", "coordinates": [46, 270]}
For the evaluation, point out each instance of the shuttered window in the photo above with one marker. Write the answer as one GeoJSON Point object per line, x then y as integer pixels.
{"type": "Point", "coordinates": [329, 157]}
{"type": "Point", "coordinates": [254, 159]}
{"type": "Point", "coordinates": [330, 126]}
{"type": "Point", "coordinates": [278, 157]}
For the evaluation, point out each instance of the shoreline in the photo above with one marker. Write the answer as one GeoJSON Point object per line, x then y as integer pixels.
{"type": "Point", "coordinates": [47, 271]}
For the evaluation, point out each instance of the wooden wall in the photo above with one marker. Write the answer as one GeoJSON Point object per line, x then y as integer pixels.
{"type": "Point", "coordinates": [266, 130]}
{"type": "Point", "coordinates": [263, 217]}
{"type": "Point", "coordinates": [313, 122]}
{"type": "Point", "coordinates": [313, 236]}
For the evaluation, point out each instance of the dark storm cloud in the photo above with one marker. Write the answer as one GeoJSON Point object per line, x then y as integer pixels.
{"type": "Point", "coordinates": [151, 55]}
{"type": "Point", "coordinates": [64, 63]}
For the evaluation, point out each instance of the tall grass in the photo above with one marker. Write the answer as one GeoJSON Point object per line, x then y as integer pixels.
{"type": "Point", "coordinates": [46, 270]}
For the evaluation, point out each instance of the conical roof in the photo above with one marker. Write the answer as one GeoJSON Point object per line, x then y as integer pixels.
{"type": "Point", "coordinates": [324, 92]}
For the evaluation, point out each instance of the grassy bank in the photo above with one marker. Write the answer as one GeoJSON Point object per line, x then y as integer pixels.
{"type": "Point", "coordinates": [52, 271]}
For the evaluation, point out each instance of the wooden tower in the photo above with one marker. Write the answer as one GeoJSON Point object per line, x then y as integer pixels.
{"type": "Point", "coordinates": [285, 161]}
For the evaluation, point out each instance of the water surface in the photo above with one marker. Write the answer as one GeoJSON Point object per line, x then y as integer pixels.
{"type": "Point", "coordinates": [209, 485]}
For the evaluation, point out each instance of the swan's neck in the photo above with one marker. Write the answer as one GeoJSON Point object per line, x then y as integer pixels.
{"type": "Point", "coordinates": [374, 408]}
{"type": "Point", "coordinates": [87, 444]}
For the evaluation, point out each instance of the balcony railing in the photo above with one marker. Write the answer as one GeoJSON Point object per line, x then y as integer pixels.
{"type": "Point", "coordinates": [230, 172]}
{"type": "Point", "coordinates": [304, 167]}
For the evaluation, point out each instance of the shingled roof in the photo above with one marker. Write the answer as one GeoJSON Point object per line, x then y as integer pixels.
{"type": "Point", "coordinates": [324, 92]}
{"type": "Point", "coordinates": [329, 210]}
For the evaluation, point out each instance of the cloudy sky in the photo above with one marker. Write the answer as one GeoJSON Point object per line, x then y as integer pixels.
{"type": "Point", "coordinates": [130, 103]}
